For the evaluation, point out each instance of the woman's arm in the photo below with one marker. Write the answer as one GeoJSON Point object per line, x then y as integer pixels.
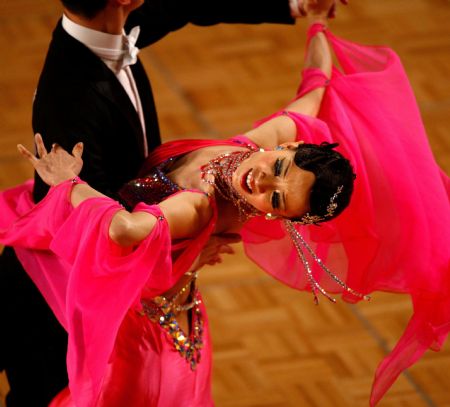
{"type": "Point", "coordinates": [281, 129]}
{"type": "Point", "coordinates": [186, 213]}
{"type": "Point", "coordinates": [318, 56]}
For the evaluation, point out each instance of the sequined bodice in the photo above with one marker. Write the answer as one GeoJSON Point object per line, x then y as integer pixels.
{"type": "Point", "coordinates": [151, 189]}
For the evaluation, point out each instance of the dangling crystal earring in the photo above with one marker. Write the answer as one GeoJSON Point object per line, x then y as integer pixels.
{"type": "Point", "coordinates": [302, 247]}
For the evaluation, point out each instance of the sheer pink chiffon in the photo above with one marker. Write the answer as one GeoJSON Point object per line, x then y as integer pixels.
{"type": "Point", "coordinates": [116, 357]}
{"type": "Point", "coordinates": [395, 235]}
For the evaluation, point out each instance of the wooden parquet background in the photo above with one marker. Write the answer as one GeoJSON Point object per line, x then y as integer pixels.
{"type": "Point", "coordinates": [272, 346]}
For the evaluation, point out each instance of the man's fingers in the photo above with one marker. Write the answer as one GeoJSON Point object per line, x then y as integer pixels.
{"type": "Point", "coordinates": [77, 150]}
{"type": "Point", "coordinates": [226, 249]}
{"type": "Point", "coordinates": [42, 152]}
{"type": "Point", "coordinates": [23, 151]}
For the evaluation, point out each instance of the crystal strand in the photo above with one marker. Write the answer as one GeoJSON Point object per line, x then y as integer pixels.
{"type": "Point", "coordinates": [297, 237]}
{"type": "Point", "coordinates": [315, 286]}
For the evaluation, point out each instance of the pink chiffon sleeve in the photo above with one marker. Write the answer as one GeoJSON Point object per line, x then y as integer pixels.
{"type": "Point", "coordinates": [395, 234]}
{"type": "Point", "coordinates": [91, 268]}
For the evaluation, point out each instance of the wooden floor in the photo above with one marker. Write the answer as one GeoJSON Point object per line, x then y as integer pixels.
{"type": "Point", "coordinates": [272, 346]}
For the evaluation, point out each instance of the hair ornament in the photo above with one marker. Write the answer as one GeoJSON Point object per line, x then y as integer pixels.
{"type": "Point", "coordinates": [308, 219]}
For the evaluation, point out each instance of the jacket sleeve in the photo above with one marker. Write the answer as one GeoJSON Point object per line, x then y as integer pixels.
{"type": "Point", "coordinates": [157, 18]}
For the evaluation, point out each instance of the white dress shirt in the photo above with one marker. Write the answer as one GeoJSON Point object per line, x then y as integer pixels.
{"type": "Point", "coordinates": [110, 48]}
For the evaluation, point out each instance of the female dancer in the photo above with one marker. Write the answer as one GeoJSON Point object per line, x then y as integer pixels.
{"type": "Point", "coordinates": [115, 265]}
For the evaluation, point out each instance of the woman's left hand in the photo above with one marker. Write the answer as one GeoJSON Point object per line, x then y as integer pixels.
{"type": "Point", "coordinates": [57, 165]}
{"type": "Point", "coordinates": [216, 246]}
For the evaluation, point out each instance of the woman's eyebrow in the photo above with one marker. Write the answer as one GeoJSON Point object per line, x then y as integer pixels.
{"type": "Point", "coordinates": [286, 168]}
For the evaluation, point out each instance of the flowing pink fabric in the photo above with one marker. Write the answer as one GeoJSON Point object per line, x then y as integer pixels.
{"type": "Point", "coordinates": [115, 357]}
{"type": "Point", "coordinates": [394, 237]}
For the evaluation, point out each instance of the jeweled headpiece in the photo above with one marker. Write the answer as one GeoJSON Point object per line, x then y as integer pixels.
{"type": "Point", "coordinates": [308, 219]}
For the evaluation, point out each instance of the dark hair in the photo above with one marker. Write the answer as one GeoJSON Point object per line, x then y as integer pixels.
{"type": "Point", "coordinates": [85, 8]}
{"type": "Point", "coordinates": [332, 170]}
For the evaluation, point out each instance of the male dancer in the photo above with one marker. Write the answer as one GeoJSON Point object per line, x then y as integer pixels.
{"type": "Point", "coordinates": [93, 89]}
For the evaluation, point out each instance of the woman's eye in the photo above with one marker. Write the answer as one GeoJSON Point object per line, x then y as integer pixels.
{"type": "Point", "coordinates": [277, 167]}
{"type": "Point", "coordinates": [275, 200]}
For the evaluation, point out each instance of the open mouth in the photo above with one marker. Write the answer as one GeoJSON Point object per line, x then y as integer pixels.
{"type": "Point", "coordinates": [247, 181]}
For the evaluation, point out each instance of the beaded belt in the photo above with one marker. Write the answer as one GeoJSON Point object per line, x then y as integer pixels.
{"type": "Point", "coordinates": [163, 311]}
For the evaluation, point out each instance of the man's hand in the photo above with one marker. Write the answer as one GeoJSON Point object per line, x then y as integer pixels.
{"type": "Point", "coordinates": [322, 8]}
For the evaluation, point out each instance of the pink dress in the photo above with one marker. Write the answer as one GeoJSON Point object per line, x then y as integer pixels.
{"type": "Point", "coordinates": [394, 237]}
{"type": "Point", "coordinates": [116, 356]}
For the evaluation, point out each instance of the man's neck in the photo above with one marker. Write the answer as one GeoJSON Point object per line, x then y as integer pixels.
{"type": "Point", "coordinates": [110, 20]}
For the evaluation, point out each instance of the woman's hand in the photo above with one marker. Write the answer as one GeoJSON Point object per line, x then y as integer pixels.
{"type": "Point", "coordinates": [214, 248]}
{"type": "Point", "coordinates": [57, 165]}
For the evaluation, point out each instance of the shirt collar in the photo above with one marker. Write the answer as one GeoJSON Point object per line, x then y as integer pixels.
{"type": "Point", "coordinates": [94, 40]}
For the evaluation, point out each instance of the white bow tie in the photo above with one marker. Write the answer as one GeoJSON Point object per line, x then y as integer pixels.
{"type": "Point", "coordinates": [129, 56]}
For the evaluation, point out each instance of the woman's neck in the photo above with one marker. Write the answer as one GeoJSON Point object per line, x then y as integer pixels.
{"type": "Point", "coordinates": [186, 170]}
{"type": "Point", "coordinates": [186, 173]}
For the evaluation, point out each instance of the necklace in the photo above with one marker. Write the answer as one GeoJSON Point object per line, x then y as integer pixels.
{"type": "Point", "coordinates": [219, 172]}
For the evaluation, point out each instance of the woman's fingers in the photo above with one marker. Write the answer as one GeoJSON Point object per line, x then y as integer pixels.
{"type": "Point", "coordinates": [214, 261]}
{"type": "Point", "coordinates": [226, 249]}
{"type": "Point", "coordinates": [227, 238]}
{"type": "Point", "coordinates": [301, 8]}
{"type": "Point", "coordinates": [29, 156]}
{"type": "Point", "coordinates": [332, 11]}
{"type": "Point", "coordinates": [41, 150]}
{"type": "Point", "coordinates": [326, 8]}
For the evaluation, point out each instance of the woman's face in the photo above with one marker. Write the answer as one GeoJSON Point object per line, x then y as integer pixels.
{"type": "Point", "coordinates": [270, 181]}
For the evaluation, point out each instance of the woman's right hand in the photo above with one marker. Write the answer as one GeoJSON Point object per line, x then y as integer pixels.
{"type": "Point", "coordinates": [57, 165]}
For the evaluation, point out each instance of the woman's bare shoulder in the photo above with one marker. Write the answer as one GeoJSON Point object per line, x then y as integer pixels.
{"type": "Point", "coordinates": [187, 213]}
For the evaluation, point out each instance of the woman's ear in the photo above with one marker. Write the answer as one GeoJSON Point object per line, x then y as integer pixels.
{"type": "Point", "coordinates": [291, 145]}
